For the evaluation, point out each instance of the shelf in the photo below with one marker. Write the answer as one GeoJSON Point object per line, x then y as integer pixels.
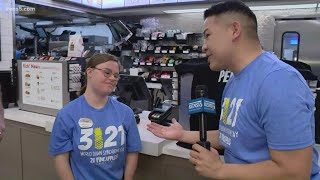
{"type": "Point", "coordinates": [174, 38]}
{"type": "Point", "coordinates": [158, 79]}
{"type": "Point", "coordinates": [172, 102]}
{"type": "Point", "coordinates": [157, 39]}
{"type": "Point", "coordinates": [152, 64]}
{"type": "Point", "coordinates": [169, 50]}
{"type": "Point", "coordinates": [158, 68]}
{"type": "Point", "coordinates": [152, 85]}
{"type": "Point", "coordinates": [179, 50]}
{"type": "Point", "coordinates": [165, 52]}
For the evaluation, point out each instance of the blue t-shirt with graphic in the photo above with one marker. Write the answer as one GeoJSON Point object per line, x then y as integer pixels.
{"type": "Point", "coordinates": [267, 105]}
{"type": "Point", "coordinates": [97, 139]}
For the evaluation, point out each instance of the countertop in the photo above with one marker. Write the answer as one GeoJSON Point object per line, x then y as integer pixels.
{"type": "Point", "coordinates": [151, 145]}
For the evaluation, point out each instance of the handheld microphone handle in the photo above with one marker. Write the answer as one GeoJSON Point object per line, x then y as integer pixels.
{"type": "Point", "coordinates": [202, 91]}
{"type": "Point", "coordinates": [203, 127]}
{"type": "Point", "coordinates": [205, 144]}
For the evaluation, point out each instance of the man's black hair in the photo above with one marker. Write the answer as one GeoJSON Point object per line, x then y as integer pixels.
{"type": "Point", "coordinates": [233, 6]}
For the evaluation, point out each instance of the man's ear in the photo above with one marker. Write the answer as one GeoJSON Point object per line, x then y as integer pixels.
{"type": "Point", "coordinates": [236, 30]}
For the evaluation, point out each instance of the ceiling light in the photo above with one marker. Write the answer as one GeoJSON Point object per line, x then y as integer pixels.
{"type": "Point", "coordinates": [278, 7]}
{"type": "Point", "coordinates": [253, 8]}
{"type": "Point", "coordinates": [185, 11]}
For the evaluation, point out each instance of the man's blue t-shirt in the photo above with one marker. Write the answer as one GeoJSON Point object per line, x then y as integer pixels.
{"type": "Point", "coordinates": [97, 139]}
{"type": "Point", "coordinates": [18, 55]}
{"type": "Point", "coordinates": [267, 105]}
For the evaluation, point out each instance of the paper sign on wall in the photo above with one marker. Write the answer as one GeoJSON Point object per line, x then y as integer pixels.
{"type": "Point", "coordinates": [75, 48]}
{"type": "Point", "coordinates": [42, 84]}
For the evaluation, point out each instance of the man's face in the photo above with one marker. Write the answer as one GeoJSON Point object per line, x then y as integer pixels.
{"type": "Point", "coordinates": [217, 43]}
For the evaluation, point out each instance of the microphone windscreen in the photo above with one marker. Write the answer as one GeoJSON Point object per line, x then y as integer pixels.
{"type": "Point", "coordinates": [201, 91]}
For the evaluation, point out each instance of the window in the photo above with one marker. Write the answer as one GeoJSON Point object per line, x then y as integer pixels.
{"type": "Point", "coordinates": [290, 46]}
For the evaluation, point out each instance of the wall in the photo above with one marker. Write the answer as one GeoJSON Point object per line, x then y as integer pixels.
{"type": "Point", "coordinates": [98, 30]}
{"type": "Point", "coordinates": [21, 34]}
{"type": "Point", "coordinates": [63, 5]}
{"type": "Point", "coordinates": [266, 22]}
{"type": "Point", "coordinates": [193, 22]}
{"type": "Point", "coordinates": [187, 22]}
{"type": "Point", "coordinates": [7, 45]}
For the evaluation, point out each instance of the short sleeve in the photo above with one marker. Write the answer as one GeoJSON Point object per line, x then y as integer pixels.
{"type": "Point", "coordinates": [285, 106]}
{"type": "Point", "coordinates": [61, 135]}
{"type": "Point", "coordinates": [133, 141]}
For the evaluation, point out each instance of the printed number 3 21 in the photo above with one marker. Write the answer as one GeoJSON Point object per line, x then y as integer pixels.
{"type": "Point", "coordinates": [98, 138]}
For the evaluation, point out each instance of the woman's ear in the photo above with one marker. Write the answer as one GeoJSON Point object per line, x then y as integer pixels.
{"type": "Point", "coordinates": [89, 72]}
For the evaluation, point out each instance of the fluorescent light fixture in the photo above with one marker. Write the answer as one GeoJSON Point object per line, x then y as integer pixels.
{"type": "Point", "coordinates": [44, 23]}
{"type": "Point", "coordinates": [81, 20]}
{"type": "Point", "coordinates": [184, 11]}
{"type": "Point", "coordinates": [279, 7]}
{"type": "Point", "coordinates": [253, 8]}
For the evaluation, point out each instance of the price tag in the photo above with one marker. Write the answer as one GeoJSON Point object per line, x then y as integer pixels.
{"type": "Point", "coordinates": [142, 63]}
{"type": "Point", "coordinates": [172, 52]}
{"type": "Point", "coordinates": [164, 51]}
{"type": "Point", "coordinates": [170, 65]}
{"type": "Point", "coordinates": [162, 64]}
{"type": "Point", "coordinates": [185, 52]}
{"type": "Point", "coordinates": [149, 64]}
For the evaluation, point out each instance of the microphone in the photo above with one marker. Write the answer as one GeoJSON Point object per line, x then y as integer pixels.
{"type": "Point", "coordinates": [201, 106]}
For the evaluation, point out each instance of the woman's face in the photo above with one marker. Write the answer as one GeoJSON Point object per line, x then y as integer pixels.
{"type": "Point", "coordinates": [104, 77]}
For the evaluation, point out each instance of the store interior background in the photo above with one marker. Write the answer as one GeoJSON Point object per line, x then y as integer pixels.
{"type": "Point", "coordinates": [186, 21]}
{"type": "Point", "coordinates": [56, 16]}
{"type": "Point", "coordinates": [28, 140]}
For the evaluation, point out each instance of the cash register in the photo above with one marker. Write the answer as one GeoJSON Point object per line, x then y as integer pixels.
{"type": "Point", "coordinates": [133, 91]}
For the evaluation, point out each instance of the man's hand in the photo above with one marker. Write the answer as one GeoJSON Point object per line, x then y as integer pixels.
{"type": "Point", "coordinates": [173, 132]}
{"type": "Point", "coordinates": [207, 163]}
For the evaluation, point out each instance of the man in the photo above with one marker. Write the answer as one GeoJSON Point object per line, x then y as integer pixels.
{"type": "Point", "coordinates": [267, 123]}
{"type": "Point", "coordinates": [18, 51]}
{"type": "Point", "coordinates": [2, 124]}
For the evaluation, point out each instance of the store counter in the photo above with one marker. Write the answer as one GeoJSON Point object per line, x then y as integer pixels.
{"type": "Point", "coordinates": [25, 149]}
{"type": "Point", "coordinates": [151, 144]}
{"type": "Point", "coordinates": [31, 118]}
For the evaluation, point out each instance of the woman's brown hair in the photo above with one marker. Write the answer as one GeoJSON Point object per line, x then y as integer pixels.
{"type": "Point", "coordinates": [96, 60]}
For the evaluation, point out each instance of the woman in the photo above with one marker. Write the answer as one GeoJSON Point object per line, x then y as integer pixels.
{"type": "Point", "coordinates": [95, 136]}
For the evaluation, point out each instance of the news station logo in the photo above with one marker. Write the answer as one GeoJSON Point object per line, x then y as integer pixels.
{"type": "Point", "coordinates": [201, 105]}
{"type": "Point", "coordinates": [18, 9]}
